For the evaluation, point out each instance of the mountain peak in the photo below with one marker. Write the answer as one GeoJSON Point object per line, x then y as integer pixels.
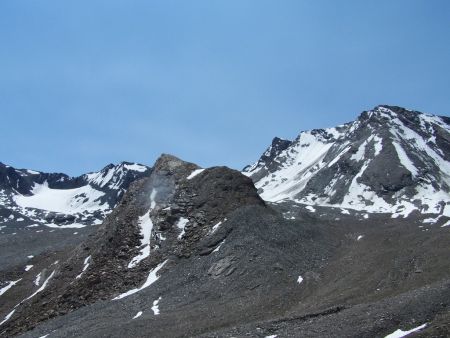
{"type": "Point", "coordinates": [386, 112]}
{"type": "Point", "coordinates": [167, 162]}
{"type": "Point", "coordinates": [390, 159]}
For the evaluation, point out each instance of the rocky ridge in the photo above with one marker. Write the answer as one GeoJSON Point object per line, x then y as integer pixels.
{"type": "Point", "coordinates": [390, 160]}
{"type": "Point", "coordinates": [35, 198]}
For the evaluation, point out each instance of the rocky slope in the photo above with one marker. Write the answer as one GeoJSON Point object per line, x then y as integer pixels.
{"type": "Point", "coordinates": [174, 213]}
{"type": "Point", "coordinates": [390, 160]}
{"type": "Point", "coordinates": [196, 252]}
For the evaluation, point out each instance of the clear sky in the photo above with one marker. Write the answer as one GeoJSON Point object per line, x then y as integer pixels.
{"type": "Point", "coordinates": [86, 83]}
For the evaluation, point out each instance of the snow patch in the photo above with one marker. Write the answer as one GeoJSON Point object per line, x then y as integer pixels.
{"type": "Point", "coordinates": [152, 277]}
{"type": "Point", "coordinates": [155, 307]}
{"type": "Point", "coordinates": [9, 286]}
{"type": "Point", "coordinates": [65, 226]}
{"type": "Point", "coordinates": [218, 247]}
{"type": "Point", "coordinates": [431, 220]}
{"type": "Point", "coordinates": [337, 158]}
{"type": "Point", "coordinates": [86, 265]}
{"type": "Point", "coordinates": [44, 285]}
{"type": "Point", "coordinates": [181, 224]}
{"type": "Point", "coordinates": [400, 333]}
{"type": "Point", "coordinates": [37, 279]}
{"type": "Point", "coordinates": [146, 228]}
{"type": "Point", "coordinates": [378, 145]}
{"type": "Point", "coordinates": [445, 224]}
{"type": "Point", "coordinates": [7, 317]}
{"type": "Point", "coordinates": [310, 208]}
{"type": "Point", "coordinates": [194, 173]}
{"type": "Point", "coordinates": [135, 167]}
{"type": "Point", "coordinates": [404, 159]}
{"type": "Point", "coordinates": [359, 155]}
{"type": "Point", "coordinates": [137, 315]}
{"type": "Point", "coordinates": [216, 226]}
{"type": "Point", "coordinates": [299, 279]}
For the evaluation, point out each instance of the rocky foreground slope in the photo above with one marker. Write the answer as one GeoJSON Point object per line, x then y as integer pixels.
{"type": "Point", "coordinates": [192, 252]}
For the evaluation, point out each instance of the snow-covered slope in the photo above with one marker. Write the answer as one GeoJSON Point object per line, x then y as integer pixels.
{"type": "Point", "coordinates": [389, 160]}
{"type": "Point", "coordinates": [57, 200]}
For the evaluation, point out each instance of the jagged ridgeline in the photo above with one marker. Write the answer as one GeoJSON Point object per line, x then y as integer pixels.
{"type": "Point", "coordinates": [33, 198]}
{"type": "Point", "coordinates": [390, 160]}
{"type": "Point", "coordinates": [343, 232]}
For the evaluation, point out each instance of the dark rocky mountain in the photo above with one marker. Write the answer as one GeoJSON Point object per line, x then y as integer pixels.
{"type": "Point", "coordinates": [192, 252]}
{"type": "Point", "coordinates": [390, 160]}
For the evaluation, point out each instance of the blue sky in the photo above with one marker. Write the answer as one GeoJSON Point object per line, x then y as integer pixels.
{"type": "Point", "coordinates": [86, 83]}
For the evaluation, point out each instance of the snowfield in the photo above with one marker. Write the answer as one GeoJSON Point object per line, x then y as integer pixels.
{"type": "Point", "coordinates": [66, 201]}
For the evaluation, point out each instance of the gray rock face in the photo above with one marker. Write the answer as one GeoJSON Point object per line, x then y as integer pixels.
{"type": "Point", "coordinates": [224, 266]}
{"type": "Point", "coordinates": [389, 160]}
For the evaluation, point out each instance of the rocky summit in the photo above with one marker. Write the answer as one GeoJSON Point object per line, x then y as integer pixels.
{"type": "Point", "coordinates": [390, 160]}
{"type": "Point", "coordinates": [342, 232]}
